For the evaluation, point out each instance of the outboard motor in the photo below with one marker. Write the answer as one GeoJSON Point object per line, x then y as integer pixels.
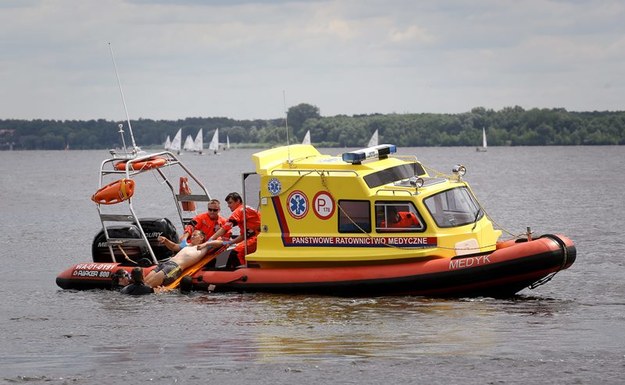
{"type": "Point", "coordinates": [152, 227]}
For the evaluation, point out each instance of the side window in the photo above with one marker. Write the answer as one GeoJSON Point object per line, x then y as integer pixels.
{"type": "Point", "coordinates": [397, 216]}
{"type": "Point", "coordinates": [354, 216]}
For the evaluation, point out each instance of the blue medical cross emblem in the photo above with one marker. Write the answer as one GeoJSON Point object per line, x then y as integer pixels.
{"type": "Point", "coordinates": [274, 186]}
{"type": "Point", "coordinates": [298, 204]}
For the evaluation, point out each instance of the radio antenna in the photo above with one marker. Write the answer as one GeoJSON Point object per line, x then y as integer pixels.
{"type": "Point", "coordinates": [286, 124]}
{"type": "Point", "coordinates": [132, 137]}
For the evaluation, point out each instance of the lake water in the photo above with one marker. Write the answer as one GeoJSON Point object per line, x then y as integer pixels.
{"type": "Point", "coordinates": [569, 331]}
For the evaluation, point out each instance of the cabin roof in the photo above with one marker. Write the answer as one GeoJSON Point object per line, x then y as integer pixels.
{"type": "Point", "coordinates": [307, 157]}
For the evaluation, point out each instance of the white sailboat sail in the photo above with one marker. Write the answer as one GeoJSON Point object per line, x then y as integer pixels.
{"type": "Point", "coordinates": [484, 147]}
{"type": "Point", "coordinates": [374, 139]}
{"type": "Point", "coordinates": [176, 143]}
{"type": "Point", "coordinates": [188, 144]}
{"type": "Point", "coordinates": [198, 145]}
{"type": "Point", "coordinates": [227, 142]}
{"type": "Point", "coordinates": [484, 144]}
{"type": "Point", "coordinates": [306, 138]}
{"type": "Point", "coordinates": [214, 144]}
{"type": "Point", "coordinates": [167, 144]}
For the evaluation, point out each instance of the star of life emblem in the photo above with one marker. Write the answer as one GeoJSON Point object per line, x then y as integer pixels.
{"type": "Point", "coordinates": [274, 186]}
{"type": "Point", "coordinates": [297, 204]}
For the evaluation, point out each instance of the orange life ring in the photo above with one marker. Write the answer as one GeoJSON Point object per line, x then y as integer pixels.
{"type": "Point", "coordinates": [114, 192]}
{"type": "Point", "coordinates": [185, 190]}
{"type": "Point", "coordinates": [143, 165]}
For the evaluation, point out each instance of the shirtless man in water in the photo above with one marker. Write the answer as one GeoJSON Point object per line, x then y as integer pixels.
{"type": "Point", "coordinates": [168, 271]}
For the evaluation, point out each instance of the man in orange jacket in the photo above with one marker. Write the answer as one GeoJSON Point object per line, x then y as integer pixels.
{"type": "Point", "coordinates": [208, 222]}
{"type": "Point", "coordinates": [249, 232]}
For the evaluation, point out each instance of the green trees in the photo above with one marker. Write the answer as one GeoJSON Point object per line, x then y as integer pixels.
{"type": "Point", "coordinates": [509, 126]}
{"type": "Point", "coordinates": [298, 115]}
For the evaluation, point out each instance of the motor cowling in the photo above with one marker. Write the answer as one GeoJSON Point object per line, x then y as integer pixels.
{"type": "Point", "coordinates": [152, 227]}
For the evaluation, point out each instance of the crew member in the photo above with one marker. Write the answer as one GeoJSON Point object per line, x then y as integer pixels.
{"type": "Point", "coordinates": [250, 228]}
{"type": "Point", "coordinates": [208, 222]}
{"type": "Point", "coordinates": [400, 219]}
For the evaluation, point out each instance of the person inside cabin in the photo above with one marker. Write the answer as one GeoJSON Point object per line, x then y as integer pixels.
{"type": "Point", "coordinates": [399, 219]}
{"type": "Point", "coordinates": [168, 271]}
{"type": "Point", "coordinates": [208, 222]}
{"type": "Point", "coordinates": [137, 285]}
{"type": "Point", "coordinates": [248, 221]}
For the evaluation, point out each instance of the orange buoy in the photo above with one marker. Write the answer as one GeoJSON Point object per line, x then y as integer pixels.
{"type": "Point", "coordinates": [114, 192]}
{"type": "Point", "coordinates": [143, 165]}
{"type": "Point", "coordinates": [185, 190]}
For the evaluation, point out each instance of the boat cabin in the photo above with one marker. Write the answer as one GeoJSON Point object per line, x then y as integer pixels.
{"type": "Point", "coordinates": [365, 205]}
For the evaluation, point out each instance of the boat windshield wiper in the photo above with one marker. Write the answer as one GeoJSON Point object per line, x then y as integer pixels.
{"type": "Point", "coordinates": [477, 215]}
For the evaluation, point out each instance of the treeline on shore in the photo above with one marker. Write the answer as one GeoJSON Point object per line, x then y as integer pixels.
{"type": "Point", "coordinates": [510, 126]}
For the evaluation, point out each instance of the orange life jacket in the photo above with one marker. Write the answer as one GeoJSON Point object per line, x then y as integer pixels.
{"type": "Point", "coordinates": [406, 220]}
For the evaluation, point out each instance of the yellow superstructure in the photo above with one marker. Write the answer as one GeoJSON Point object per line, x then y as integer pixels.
{"type": "Point", "coordinates": [366, 206]}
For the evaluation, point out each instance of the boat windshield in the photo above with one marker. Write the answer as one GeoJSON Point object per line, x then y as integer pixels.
{"type": "Point", "coordinates": [393, 174]}
{"type": "Point", "coordinates": [455, 207]}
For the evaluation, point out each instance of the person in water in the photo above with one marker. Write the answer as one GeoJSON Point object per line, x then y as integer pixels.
{"type": "Point", "coordinates": [138, 286]}
{"type": "Point", "coordinates": [247, 233]}
{"type": "Point", "coordinates": [209, 223]}
{"type": "Point", "coordinates": [168, 271]}
{"type": "Point", "coordinates": [120, 279]}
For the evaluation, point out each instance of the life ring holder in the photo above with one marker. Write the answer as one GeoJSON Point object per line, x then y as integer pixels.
{"type": "Point", "coordinates": [142, 165]}
{"type": "Point", "coordinates": [115, 192]}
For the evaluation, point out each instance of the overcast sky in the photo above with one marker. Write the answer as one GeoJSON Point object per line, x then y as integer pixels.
{"type": "Point", "coordinates": [238, 58]}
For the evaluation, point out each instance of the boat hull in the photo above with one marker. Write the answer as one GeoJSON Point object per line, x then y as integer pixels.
{"type": "Point", "coordinates": [512, 267]}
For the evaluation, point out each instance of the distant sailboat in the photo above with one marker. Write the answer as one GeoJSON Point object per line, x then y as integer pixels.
{"type": "Point", "coordinates": [198, 145]}
{"type": "Point", "coordinates": [374, 139]}
{"type": "Point", "coordinates": [227, 142]}
{"type": "Point", "coordinates": [177, 142]}
{"type": "Point", "coordinates": [306, 138]}
{"type": "Point", "coordinates": [484, 147]}
{"type": "Point", "coordinates": [188, 144]}
{"type": "Point", "coordinates": [167, 144]}
{"type": "Point", "coordinates": [214, 144]}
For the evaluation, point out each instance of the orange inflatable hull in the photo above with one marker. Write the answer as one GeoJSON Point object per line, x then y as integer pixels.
{"type": "Point", "coordinates": [513, 266]}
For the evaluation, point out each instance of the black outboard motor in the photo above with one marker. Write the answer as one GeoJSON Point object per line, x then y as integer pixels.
{"type": "Point", "coordinates": [152, 227]}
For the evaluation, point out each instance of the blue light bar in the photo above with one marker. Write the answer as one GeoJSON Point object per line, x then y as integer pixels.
{"type": "Point", "coordinates": [381, 151]}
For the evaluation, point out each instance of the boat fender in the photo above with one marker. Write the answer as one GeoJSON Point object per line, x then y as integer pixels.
{"type": "Point", "coordinates": [185, 190]}
{"type": "Point", "coordinates": [115, 192]}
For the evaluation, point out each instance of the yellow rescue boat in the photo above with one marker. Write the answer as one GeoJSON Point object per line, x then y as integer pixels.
{"type": "Point", "coordinates": [368, 223]}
